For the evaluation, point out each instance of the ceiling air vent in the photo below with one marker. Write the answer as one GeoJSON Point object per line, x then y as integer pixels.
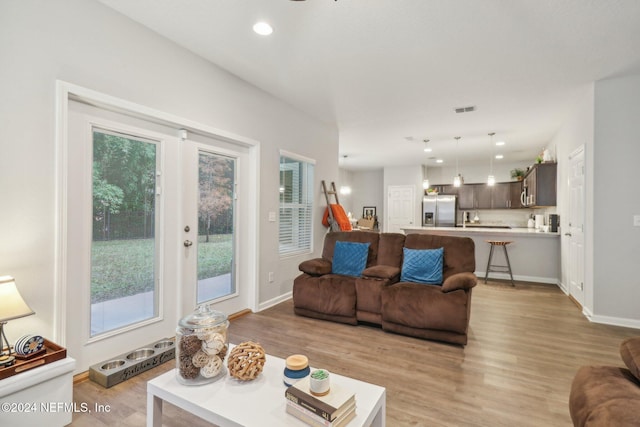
{"type": "Point", "coordinates": [465, 109]}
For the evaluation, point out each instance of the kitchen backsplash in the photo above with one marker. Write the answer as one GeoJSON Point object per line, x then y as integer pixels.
{"type": "Point", "coordinates": [512, 218]}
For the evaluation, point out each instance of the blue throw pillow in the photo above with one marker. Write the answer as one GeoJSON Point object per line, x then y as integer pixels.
{"type": "Point", "coordinates": [422, 266]}
{"type": "Point", "coordinates": [349, 258]}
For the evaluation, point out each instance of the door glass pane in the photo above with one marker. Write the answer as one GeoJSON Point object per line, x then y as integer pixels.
{"type": "Point", "coordinates": [124, 245]}
{"type": "Point", "coordinates": [216, 176]}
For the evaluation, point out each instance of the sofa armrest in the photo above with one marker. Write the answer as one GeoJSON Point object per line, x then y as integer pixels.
{"type": "Point", "coordinates": [315, 267]}
{"type": "Point", "coordinates": [381, 272]}
{"type": "Point", "coordinates": [457, 281]}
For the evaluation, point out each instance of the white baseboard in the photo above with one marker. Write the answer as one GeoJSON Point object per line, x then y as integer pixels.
{"type": "Point", "coordinates": [615, 321]}
{"type": "Point", "coordinates": [275, 301]}
{"type": "Point", "coordinates": [505, 276]}
{"type": "Point", "coordinates": [563, 287]}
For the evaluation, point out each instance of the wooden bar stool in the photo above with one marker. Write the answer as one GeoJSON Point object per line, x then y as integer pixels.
{"type": "Point", "coordinates": [500, 268]}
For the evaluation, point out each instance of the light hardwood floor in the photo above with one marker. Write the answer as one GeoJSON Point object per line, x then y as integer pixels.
{"type": "Point", "coordinates": [525, 345]}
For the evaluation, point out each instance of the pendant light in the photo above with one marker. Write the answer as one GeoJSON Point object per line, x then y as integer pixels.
{"type": "Point", "coordinates": [425, 180]}
{"type": "Point", "coordinates": [491, 180]}
{"type": "Point", "coordinates": [457, 180]}
{"type": "Point", "coordinates": [345, 190]}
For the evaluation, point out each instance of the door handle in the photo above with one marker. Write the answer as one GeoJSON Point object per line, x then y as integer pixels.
{"type": "Point", "coordinates": [187, 243]}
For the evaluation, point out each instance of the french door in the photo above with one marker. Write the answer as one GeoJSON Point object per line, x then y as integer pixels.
{"type": "Point", "coordinates": [210, 228]}
{"type": "Point", "coordinates": [152, 220]}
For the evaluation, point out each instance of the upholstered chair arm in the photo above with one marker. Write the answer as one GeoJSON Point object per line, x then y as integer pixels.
{"type": "Point", "coordinates": [457, 281]}
{"type": "Point", "coordinates": [315, 267]}
{"type": "Point", "coordinates": [382, 272]}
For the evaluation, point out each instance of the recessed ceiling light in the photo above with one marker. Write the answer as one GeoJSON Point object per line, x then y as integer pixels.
{"type": "Point", "coordinates": [262, 28]}
{"type": "Point", "coordinates": [439, 160]}
{"type": "Point", "coordinates": [499, 156]}
{"type": "Point", "coordinates": [500, 143]}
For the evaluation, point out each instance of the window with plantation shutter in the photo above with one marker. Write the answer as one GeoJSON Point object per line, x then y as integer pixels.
{"type": "Point", "coordinates": [296, 204]}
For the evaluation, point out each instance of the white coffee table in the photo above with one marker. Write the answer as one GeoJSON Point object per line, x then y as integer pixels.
{"type": "Point", "coordinates": [257, 403]}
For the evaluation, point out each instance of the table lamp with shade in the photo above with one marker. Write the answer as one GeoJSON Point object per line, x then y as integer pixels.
{"type": "Point", "coordinates": [12, 306]}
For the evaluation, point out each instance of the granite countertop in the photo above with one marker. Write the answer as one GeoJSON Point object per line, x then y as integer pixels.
{"type": "Point", "coordinates": [479, 229]}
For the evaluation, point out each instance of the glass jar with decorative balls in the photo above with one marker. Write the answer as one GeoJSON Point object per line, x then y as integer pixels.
{"type": "Point", "coordinates": [201, 346]}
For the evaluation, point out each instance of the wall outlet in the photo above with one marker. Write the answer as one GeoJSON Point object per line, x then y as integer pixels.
{"type": "Point", "coordinates": [636, 220]}
{"type": "Point", "coordinates": [271, 277]}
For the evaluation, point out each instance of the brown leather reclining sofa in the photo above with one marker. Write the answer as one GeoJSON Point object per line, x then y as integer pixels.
{"type": "Point", "coordinates": [608, 396]}
{"type": "Point", "coordinates": [432, 311]}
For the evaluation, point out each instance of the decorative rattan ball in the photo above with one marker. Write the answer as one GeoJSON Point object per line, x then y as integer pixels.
{"type": "Point", "coordinates": [190, 345]}
{"type": "Point", "coordinates": [246, 361]}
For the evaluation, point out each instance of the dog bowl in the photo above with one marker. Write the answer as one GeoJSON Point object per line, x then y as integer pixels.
{"type": "Point", "coordinates": [112, 364]}
{"type": "Point", "coordinates": [141, 353]}
{"type": "Point", "coordinates": [164, 344]}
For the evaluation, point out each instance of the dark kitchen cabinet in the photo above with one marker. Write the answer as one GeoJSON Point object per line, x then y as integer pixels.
{"type": "Point", "coordinates": [483, 194]}
{"type": "Point", "coordinates": [515, 195]}
{"type": "Point", "coordinates": [465, 197]}
{"type": "Point", "coordinates": [501, 197]}
{"type": "Point", "coordinates": [539, 185]}
{"type": "Point", "coordinates": [506, 195]}
{"type": "Point", "coordinates": [474, 196]}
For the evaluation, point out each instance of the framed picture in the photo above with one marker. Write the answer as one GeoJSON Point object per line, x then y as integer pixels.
{"type": "Point", "coordinates": [369, 212]}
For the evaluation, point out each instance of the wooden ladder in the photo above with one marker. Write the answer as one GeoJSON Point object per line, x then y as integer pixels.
{"type": "Point", "coordinates": [333, 224]}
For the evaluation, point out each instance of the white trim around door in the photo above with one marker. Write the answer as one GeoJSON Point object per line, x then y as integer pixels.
{"type": "Point", "coordinates": [250, 242]}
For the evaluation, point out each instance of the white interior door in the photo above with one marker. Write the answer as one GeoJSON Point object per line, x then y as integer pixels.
{"type": "Point", "coordinates": [574, 229]}
{"type": "Point", "coordinates": [401, 207]}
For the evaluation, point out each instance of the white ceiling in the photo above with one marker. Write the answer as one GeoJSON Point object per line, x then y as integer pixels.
{"type": "Point", "coordinates": [385, 70]}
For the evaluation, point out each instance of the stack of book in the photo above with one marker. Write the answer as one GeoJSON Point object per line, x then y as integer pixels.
{"type": "Point", "coordinates": [335, 409]}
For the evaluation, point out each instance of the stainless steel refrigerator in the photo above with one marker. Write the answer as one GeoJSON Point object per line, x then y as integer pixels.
{"type": "Point", "coordinates": [439, 211]}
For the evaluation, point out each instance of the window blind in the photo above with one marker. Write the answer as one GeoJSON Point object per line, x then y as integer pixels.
{"type": "Point", "coordinates": [296, 205]}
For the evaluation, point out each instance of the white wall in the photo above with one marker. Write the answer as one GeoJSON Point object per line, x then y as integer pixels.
{"type": "Point", "coordinates": [616, 242]}
{"type": "Point", "coordinates": [85, 43]}
{"type": "Point", "coordinates": [346, 200]}
{"type": "Point", "coordinates": [366, 190]}
{"type": "Point", "coordinates": [576, 131]}
{"type": "Point", "coordinates": [605, 120]}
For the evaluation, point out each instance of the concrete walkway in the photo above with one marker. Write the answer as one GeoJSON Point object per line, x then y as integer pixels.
{"type": "Point", "coordinates": [120, 312]}
{"type": "Point", "coordinates": [215, 287]}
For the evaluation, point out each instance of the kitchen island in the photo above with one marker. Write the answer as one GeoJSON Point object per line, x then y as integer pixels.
{"type": "Point", "coordinates": [534, 255]}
